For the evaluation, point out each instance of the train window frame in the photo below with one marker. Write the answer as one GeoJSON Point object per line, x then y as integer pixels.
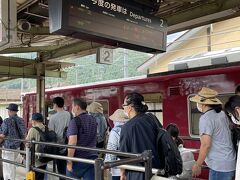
{"type": "Point", "coordinates": [189, 108]}
{"type": "Point", "coordinates": [155, 99]}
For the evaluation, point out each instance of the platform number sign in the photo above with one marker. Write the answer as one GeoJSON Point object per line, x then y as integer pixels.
{"type": "Point", "coordinates": [105, 56]}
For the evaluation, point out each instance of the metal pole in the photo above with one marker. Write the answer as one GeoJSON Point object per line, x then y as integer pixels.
{"type": "Point", "coordinates": [99, 169]}
{"type": "Point", "coordinates": [237, 173]}
{"type": "Point", "coordinates": [28, 158]}
{"type": "Point", "coordinates": [125, 63]}
{"type": "Point", "coordinates": [124, 154]}
{"type": "Point", "coordinates": [123, 161]}
{"type": "Point", "coordinates": [33, 145]}
{"type": "Point", "coordinates": [147, 157]}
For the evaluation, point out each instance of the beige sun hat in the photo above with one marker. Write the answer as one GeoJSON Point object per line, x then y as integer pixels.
{"type": "Point", "coordinates": [95, 107]}
{"type": "Point", "coordinates": [119, 116]}
{"type": "Point", "coordinates": [206, 96]}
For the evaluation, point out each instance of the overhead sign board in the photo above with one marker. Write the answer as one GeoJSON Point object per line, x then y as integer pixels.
{"type": "Point", "coordinates": [108, 22]}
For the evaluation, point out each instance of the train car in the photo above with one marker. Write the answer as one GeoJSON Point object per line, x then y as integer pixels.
{"type": "Point", "coordinates": [167, 95]}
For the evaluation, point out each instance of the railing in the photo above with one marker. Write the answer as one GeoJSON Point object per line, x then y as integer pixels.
{"type": "Point", "coordinates": [99, 164]}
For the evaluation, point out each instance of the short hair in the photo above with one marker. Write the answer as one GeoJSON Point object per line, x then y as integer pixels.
{"type": "Point", "coordinates": [237, 90]}
{"type": "Point", "coordinates": [59, 101]}
{"type": "Point", "coordinates": [80, 102]}
{"type": "Point", "coordinates": [173, 130]}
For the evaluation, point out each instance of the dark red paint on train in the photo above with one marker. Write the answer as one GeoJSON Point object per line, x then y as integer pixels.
{"type": "Point", "coordinates": [174, 89]}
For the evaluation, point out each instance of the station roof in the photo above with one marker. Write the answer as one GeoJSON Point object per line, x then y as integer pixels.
{"type": "Point", "coordinates": [179, 14]}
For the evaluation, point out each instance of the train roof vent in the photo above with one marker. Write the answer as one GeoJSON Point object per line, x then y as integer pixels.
{"type": "Point", "coordinates": [205, 59]}
{"type": "Point", "coordinates": [174, 91]}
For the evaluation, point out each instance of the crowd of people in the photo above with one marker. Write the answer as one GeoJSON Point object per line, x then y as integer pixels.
{"type": "Point", "coordinates": [134, 131]}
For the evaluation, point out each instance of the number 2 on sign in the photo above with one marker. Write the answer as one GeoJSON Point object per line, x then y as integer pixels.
{"type": "Point", "coordinates": [107, 56]}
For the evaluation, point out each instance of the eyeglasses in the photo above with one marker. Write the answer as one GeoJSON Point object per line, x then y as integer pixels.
{"type": "Point", "coordinates": [123, 105]}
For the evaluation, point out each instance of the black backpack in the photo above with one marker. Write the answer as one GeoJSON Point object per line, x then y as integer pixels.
{"type": "Point", "coordinates": [47, 136]}
{"type": "Point", "coordinates": [170, 158]}
{"type": "Point", "coordinates": [63, 150]}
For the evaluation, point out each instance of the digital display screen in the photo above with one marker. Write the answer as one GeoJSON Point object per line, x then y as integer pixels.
{"type": "Point", "coordinates": [113, 24]}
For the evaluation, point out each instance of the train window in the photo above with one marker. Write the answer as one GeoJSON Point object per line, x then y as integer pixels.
{"type": "Point", "coordinates": [194, 114]}
{"type": "Point", "coordinates": [154, 102]}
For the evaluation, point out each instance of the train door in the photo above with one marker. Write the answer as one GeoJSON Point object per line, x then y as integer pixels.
{"type": "Point", "coordinates": [154, 102]}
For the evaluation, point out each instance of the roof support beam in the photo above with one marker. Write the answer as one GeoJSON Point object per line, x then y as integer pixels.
{"type": "Point", "coordinates": [203, 14]}
{"type": "Point", "coordinates": [28, 72]}
{"type": "Point", "coordinates": [29, 49]}
{"type": "Point", "coordinates": [72, 49]}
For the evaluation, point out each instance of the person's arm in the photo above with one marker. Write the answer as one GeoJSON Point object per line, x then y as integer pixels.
{"type": "Point", "coordinates": [113, 144]}
{"type": "Point", "coordinates": [206, 129]}
{"type": "Point", "coordinates": [4, 130]}
{"type": "Point", "coordinates": [206, 141]}
{"type": "Point", "coordinates": [72, 140]}
{"type": "Point", "coordinates": [1, 137]}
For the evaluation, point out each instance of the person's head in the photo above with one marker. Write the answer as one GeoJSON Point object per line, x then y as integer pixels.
{"type": "Point", "coordinates": [207, 99]}
{"type": "Point", "coordinates": [134, 104]}
{"type": "Point", "coordinates": [95, 107]}
{"type": "Point", "coordinates": [237, 90]}
{"type": "Point", "coordinates": [232, 109]}
{"type": "Point", "coordinates": [79, 105]}
{"type": "Point", "coordinates": [173, 130]}
{"type": "Point", "coordinates": [12, 109]}
{"type": "Point", "coordinates": [58, 102]}
{"type": "Point", "coordinates": [119, 116]}
{"type": "Point", "coordinates": [37, 118]}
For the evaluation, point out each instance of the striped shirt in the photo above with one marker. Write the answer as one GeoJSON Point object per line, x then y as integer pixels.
{"type": "Point", "coordinates": [113, 144]}
{"type": "Point", "coordinates": [86, 133]}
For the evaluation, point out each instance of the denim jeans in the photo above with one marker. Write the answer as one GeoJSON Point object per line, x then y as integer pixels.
{"type": "Point", "coordinates": [82, 170]}
{"type": "Point", "coordinates": [216, 175]}
{"type": "Point", "coordinates": [115, 177]}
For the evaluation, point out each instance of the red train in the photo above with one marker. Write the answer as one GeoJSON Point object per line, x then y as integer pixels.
{"type": "Point", "coordinates": [167, 95]}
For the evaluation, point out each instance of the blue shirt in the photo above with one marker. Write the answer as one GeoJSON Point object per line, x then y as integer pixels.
{"type": "Point", "coordinates": [14, 128]}
{"type": "Point", "coordinates": [86, 133]}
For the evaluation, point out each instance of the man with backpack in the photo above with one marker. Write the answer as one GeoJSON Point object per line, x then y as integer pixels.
{"type": "Point", "coordinates": [59, 123]}
{"type": "Point", "coordinates": [34, 134]}
{"type": "Point", "coordinates": [82, 131]}
{"type": "Point", "coordinates": [13, 128]}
